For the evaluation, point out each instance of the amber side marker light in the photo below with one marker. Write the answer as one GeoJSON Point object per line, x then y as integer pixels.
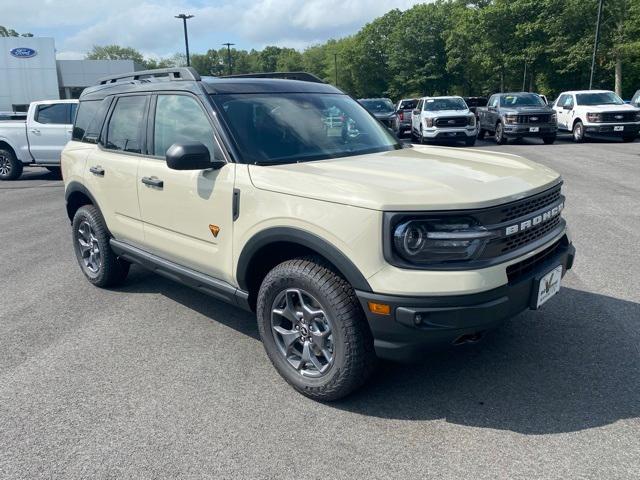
{"type": "Point", "coordinates": [379, 308]}
{"type": "Point", "coordinates": [214, 230]}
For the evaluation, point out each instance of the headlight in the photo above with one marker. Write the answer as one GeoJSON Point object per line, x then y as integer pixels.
{"type": "Point", "coordinates": [511, 119]}
{"type": "Point", "coordinates": [554, 117]}
{"type": "Point", "coordinates": [472, 121]}
{"type": "Point", "coordinates": [593, 117]}
{"type": "Point", "coordinates": [437, 240]}
{"type": "Point", "coordinates": [428, 122]}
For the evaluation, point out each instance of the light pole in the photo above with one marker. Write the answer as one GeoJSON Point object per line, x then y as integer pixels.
{"type": "Point", "coordinates": [229, 56]}
{"type": "Point", "coordinates": [595, 43]}
{"type": "Point", "coordinates": [184, 18]}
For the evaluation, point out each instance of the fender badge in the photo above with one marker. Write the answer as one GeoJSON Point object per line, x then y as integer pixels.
{"type": "Point", "coordinates": [214, 230]}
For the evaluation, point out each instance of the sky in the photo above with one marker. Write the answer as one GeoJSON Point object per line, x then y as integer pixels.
{"type": "Point", "coordinates": [150, 26]}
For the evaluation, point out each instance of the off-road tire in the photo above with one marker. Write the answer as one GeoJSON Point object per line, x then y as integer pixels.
{"type": "Point", "coordinates": [353, 353]}
{"type": "Point", "coordinates": [112, 271]}
{"type": "Point", "coordinates": [11, 166]}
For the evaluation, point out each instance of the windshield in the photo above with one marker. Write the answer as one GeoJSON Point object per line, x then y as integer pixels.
{"type": "Point", "coordinates": [526, 100]}
{"type": "Point", "coordinates": [600, 98]}
{"type": "Point", "coordinates": [377, 105]}
{"type": "Point", "coordinates": [435, 104]}
{"type": "Point", "coordinates": [298, 127]}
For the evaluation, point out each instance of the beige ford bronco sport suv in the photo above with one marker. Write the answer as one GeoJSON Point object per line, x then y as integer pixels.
{"type": "Point", "coordinates": [346, 245]}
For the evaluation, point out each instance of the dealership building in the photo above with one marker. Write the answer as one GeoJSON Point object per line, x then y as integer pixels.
{"type": "Point", "coordinates": [29, 71]}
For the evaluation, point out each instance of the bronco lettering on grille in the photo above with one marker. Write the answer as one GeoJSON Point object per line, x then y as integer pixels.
{"type": "Point", "coordinates": [534, 221]}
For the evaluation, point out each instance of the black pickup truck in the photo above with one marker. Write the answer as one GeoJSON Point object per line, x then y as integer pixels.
{"type": "Point", "coordinates": [517, 115]}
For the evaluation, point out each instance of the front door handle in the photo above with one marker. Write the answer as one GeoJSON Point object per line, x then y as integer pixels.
{"type": "Point", "coordinates": [153, 182]}
{"type": "Point", "coordinates": [97, 170]}
{"type": "Point", "coordinates": [35, 131]}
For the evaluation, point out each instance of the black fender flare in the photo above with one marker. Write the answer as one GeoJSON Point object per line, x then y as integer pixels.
{"type": "Point", "coordinates": [293, 235]}
{"type": "Point", "coordinates": [74, 187]}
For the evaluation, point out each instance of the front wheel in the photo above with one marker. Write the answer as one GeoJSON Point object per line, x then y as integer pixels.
{"type": "Point", "coordinates": [470, 141]}
{"type": "Point", "coordinates": [578, 132]}
{"type": "Point", "coordinates": [10, 166]}
{"type": "Point", "coordinates": [98, 262]}
{"type": "Point", "coordinates": [500, 138]}
{"type": "Point", "coordinates": [313, 329]}
{"type": "Point", "coordinates": [628, 138]}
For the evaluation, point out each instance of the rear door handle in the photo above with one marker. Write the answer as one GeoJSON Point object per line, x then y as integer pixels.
{"type": "Point", "coordinates": [153, 182]}
{"type": "Point", "coordinates": [98, 170]}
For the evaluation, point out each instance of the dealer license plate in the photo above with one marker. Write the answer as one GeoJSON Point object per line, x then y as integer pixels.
{"type": "Point", "coordinates": [618, 128]}
{"type": "Point", "coordinates": [549, 285]}
{"type": "Point", "coordinates": [534, 129]}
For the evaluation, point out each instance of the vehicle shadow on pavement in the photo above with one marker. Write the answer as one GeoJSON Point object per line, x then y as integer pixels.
{"type": "Point", "coordinates": [144, 281]}
{"type": "Point", "coordinates": [571, 366]}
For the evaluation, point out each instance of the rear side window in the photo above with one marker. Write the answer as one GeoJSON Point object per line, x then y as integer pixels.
{"type": "Point", "coordinates": [179, 119]}
{"type": "Point", "coordinates": [125, 131]}
{"type": "Point", "coordinates": [86, 113]}
{"type": "Point", "coordinates": [57, 113]}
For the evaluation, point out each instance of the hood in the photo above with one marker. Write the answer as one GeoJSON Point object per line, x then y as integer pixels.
{"type": "Point", "coordinates": [541, 110]}
{"type": "Point", "coordinates": [446, 113]}
{"type": "Point", "coordinates": [609, 108]}
{"type": "Point", "coordinates": [383, 114]}
{"type": "Point", "coordinates": [419, 178]}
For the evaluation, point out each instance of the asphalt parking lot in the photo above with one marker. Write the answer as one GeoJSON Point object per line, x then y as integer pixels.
{"type": "Point", "coordinates": [154, 380]}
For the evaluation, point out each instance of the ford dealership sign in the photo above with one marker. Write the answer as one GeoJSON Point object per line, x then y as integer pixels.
{"type": "Point", "coordinates": [23, 52]}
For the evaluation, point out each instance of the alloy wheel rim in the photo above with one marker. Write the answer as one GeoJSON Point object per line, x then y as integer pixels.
{"type": "Point", "coordinates": [499, 132]}
{"type": "Point", "coordinates": [5, 165]}
{"type": "Point", "coordinates": [577, 132]}
{"type": "Point", "coordinates": [303, 332]}
{"type": "Point", "coordinates": [89, 247]}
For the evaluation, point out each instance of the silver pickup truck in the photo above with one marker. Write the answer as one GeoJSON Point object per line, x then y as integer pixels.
{"type": "Point", "coordinates": [38, 140]}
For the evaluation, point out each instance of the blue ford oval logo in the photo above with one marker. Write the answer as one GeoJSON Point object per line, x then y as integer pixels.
{"type": "Point", "coordinates": [23, 52]}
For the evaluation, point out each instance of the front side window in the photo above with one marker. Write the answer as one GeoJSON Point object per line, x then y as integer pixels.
{"type": "Point", "coordinates": [598, 98]}
{"type": "Point", "coordinates": [125, 131]}
{"type": "Point", "coordinates": [298, 127]}
{"type": "Point", "coordinates": [58, 114]}
{"type": "Point", "coordinates": [439, 104]}
{"type": "Point", "coordinates": [180, 119]}
{"type": "Point", "coordinates": [493, 101]}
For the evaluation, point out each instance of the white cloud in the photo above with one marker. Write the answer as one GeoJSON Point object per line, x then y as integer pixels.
{"type": "Point", "coordinates": [150, 26]}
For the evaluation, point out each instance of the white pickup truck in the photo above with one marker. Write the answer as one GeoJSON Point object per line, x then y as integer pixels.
{"type": "Point", "coordinates": [37, 141]}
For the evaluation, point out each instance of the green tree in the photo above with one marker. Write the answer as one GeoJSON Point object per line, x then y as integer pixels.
{"type": "Point", "coordinates": [9, 32]}
{"type": "Point", "coordinates": [114, 52]}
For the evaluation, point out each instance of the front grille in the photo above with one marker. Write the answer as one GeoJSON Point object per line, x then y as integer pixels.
{"type": "Point", "coordinates": [535, 118]}
{"type": "Point", "coordinates": [529, 205]}
{"type": "Point", "coordinates": [513, 242]}
{"type": "Point", "coordinates": [520, 269]}
{"type": "Point", "coordinates": [612, 117]}
{"type": "Point", "coordinates": [451, 121]}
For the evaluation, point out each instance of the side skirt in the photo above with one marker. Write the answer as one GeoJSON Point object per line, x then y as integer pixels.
{"type": "Point", "coordinates": [191, 278]}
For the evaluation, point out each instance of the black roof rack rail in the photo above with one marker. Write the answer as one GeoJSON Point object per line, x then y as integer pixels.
{"type": "Point", "coordinates": [302, 76]}
{"type": "Point", "coordinates": [176, 73]}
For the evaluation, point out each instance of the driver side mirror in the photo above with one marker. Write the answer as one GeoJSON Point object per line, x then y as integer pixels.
{"type": "Point", "coordinates": [191, 156]}
{"type": "Point", "coordinates": [567, 107]}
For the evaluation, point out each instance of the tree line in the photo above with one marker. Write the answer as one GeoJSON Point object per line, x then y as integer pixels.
{"type": "Point", "coordinates": [453, 47]}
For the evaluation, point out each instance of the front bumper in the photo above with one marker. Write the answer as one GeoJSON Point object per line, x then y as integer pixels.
{"type": "Point", "coordinates": [519, 131]}
{"type": "Point", "coordinates": [449, 133]}
{"type": "Point", "coordinates": [418, 324]}
{"type": "Point", "coordinates": [612, 129]}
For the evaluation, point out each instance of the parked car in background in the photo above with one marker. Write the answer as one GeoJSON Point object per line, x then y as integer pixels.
{"type": "Point", "coordinates": [517, 115]}
{"type": "Point", "coordinates": [38, 140]}
{"type": "Point", "coordinates": [635, 100]}
{"type": "Point", "coordinates": [402, 122]}
{"type": "Point", "coordinates": [443, 119]}
{"type": "Point", "coordinates": [381, 108]}
{"type": "Point", "coordinates": [13, 115]}
{"type": "Point", "coordinates": [587, 113]}
{"type": "Point", "coordinates": [474, 102]}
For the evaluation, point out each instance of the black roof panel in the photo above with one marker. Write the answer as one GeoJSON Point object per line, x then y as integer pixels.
{"type": "Point", "coordinates": [222, 85]}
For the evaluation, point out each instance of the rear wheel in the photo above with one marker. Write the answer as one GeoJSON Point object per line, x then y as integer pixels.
{"type": "Point", "coordinates": [500, 138]}
{"type": "Point", "coordinates": [313, 329]}
{"type": "Point", "coordinates": [578, 132]}
{"type": "Point", "coordinates": [98, 262]}
{"type": "Point", "coordinates": [10, 166]}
